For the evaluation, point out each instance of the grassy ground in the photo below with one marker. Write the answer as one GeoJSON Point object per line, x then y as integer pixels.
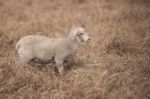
{"type": "Point", "coordinates": [114, 65]}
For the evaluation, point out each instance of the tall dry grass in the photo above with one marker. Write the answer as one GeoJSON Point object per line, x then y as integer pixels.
{"type": "Point", "coordinates": [114, 65]}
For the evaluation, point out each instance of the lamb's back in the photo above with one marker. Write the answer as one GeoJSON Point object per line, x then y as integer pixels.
{"type": "Point", "coordinates": [33, 39]}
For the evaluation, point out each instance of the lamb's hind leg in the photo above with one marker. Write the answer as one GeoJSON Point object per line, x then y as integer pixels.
{"type": "Point", "coordinates": [25, 56]}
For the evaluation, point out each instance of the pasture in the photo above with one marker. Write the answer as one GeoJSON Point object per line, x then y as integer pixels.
{"type": "Point", "coordinates": [115, 64]}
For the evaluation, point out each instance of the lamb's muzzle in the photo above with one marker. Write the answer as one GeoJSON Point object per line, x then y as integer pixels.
{"type": "Point", "coordinates": [46, 50]}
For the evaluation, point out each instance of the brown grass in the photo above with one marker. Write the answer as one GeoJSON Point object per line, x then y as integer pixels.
{"type": "Point", "coordinates": [114, 65]}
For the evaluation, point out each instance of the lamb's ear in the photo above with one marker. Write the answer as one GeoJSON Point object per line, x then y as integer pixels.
{"type": "Point", "coordinates": [78, 33]}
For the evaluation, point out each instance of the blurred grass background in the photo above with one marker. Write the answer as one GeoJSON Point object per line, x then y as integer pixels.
{"type": "Point", "coordinates": [114, 65]}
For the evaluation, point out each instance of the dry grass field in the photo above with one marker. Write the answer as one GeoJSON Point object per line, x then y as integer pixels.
{"type": "Point", "coordinates": [114, 65]}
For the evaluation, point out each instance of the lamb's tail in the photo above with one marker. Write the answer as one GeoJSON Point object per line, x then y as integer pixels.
{"type": "Point", "coordinates": [17, 46]}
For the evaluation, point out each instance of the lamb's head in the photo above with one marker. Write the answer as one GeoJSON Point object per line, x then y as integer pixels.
{"type": "Point", "coordinates": [79, 34]}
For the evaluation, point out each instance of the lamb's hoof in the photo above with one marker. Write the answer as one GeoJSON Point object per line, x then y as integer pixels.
{"type": "Point", "coordinates": [57, 74]}
{"type": "Point", "coordinates": [56, 71]}
{"type": "Point", "coordinates": [61, 73]}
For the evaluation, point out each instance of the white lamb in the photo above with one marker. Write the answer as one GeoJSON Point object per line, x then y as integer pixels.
{"type": "Point", "coordinates": [41, 49]}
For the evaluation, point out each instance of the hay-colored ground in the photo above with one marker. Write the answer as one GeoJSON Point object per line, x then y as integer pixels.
{"type": "Point", "coordinates": [114, 65]}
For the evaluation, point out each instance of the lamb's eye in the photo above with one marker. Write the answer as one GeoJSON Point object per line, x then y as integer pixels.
{"type": "Point", "coordinates": [82, 33]}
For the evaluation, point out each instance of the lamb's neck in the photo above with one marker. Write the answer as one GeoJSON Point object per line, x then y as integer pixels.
{"type": "Point", "coordinates": [73, 42]}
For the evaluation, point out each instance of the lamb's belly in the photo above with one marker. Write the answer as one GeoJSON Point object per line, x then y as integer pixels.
{"type": "Point", "coordinates": [44, 57]}
{"type": "Point", "coordinates": [43, 61]}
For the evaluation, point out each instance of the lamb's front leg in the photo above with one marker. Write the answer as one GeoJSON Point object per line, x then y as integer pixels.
{"type": "Point", "coordinates": [60, 66]}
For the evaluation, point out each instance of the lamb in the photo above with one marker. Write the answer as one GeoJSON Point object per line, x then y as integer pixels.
{"type": "Point", "coordinates": [41, 49]}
